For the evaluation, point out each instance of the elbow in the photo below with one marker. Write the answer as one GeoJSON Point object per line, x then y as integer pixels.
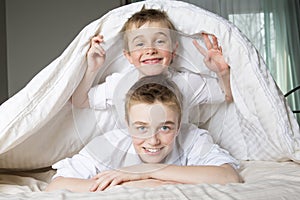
{"type": "Point", "coordinates": [56, 184]}
{"type": "Point", "coordinates": [228, 98]}
{"type": "Point", "coordinates": [234, 178]}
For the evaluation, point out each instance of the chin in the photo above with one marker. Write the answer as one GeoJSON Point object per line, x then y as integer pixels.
{"type": "Point", "coordinates": [152, 70]}
{"type": "Point", "coordinates": [150, 160]}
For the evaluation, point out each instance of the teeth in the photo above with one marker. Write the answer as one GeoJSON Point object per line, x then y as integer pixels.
{"type": "Point", "coordinates": [154, 60]}
{"type": "Point", "coordinates": [153, 150]}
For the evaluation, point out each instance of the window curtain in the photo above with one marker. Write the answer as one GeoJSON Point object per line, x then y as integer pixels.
{"type": "Point", "coordinates": [285, 65]}
{"type": "Point", "coordinates": [273, 26]}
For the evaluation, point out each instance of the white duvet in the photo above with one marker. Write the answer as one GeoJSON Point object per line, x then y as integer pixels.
{"type": "Point", "coordinates": [38, 125]}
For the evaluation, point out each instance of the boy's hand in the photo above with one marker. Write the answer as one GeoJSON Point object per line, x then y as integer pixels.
{"type": "Point", "coordinates": [214, 60]}
{"type": "Point", "coordinates": [96, 54]}
{"type": "Point", "coordinates": [213, 57]}
{"type": "Point", "coordinates": [111, 178]}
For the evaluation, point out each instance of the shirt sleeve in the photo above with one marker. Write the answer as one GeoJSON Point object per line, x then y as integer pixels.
{"type": "Point", "coordinates": [205, 152]}
{"type": "Point", "coordinates": [200, 89]}
{"type": "Point", "coordinates": [86, 163]}
{"type": "Point", "coordinates": [100, 96]}
{"type": "Point", "coordinates": [215, 93]}
{"type": "Point", "coordinates": [79, 166]}
{"type": "Point", "coordinates": [102, 153]}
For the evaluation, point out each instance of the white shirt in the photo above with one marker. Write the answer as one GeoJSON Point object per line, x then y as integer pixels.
{"type": "Point", "coordinates": [113, 150]}
{"type": "Point", "coordinates": [195, 89]}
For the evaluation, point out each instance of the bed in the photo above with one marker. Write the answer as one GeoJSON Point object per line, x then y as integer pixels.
{"type": "Point", "coordinates": [39, 126]}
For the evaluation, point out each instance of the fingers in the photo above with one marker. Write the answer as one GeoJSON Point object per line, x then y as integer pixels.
{"type": "Point", "coordinates": [207, 41]}
{"type": "Point", "coordinates": [215, 42]}
{"type": "Point", "coordinates": [105, 180]}
{"type": "Point", "coordinates": [100, 184]}
{"type": "Point", "coordinates": [95, 43]}
{"type": "Point", "coordinates": [211, 43]}
{"type": "Point", "coordinates": [96, 48]}
{"type": "Point", "coordinates": [99, 50]}
{"type": "Point", "coordinates": [97, 39]}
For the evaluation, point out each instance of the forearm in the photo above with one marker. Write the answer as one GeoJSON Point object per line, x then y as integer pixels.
{"type": "Point", "coordinates": [196, 174]}
{"type": "Point", "coordinates": [80, 96]}
{"type": "Point", "coordinates": [147, 183]}
{"type": "Point", "coordinates": [72, 184]}
{"type": "Point", "coordinates": [224, 81]}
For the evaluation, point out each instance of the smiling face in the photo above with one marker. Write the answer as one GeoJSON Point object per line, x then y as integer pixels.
{"type": "Point", "coordinates": [153, 128]}
{"type": "Point", "coordinates": [150, 48]}
{"type": "Point", "coordinates": [153, 115]}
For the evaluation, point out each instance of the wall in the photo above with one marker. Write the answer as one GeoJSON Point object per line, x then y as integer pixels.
{"type": "Point", "coordinates": [38, 31]}
{"type": "Point", "coordinates": [3, 66]}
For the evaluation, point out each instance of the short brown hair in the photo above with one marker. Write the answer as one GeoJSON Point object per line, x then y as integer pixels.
{"type": "Point", "coordinates": [151, 89]}
{"type": "Point", "coordinates": [144, 16]}
{"type": "Point", "coordinates": [148, 15]}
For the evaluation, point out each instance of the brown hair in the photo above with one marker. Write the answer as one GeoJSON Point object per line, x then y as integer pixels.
{"type": "Point", "coordinates": [152, 89]}
{"type": "Point", "coordinates": [147, 15]}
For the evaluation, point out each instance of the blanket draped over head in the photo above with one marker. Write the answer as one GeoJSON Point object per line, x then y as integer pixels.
{"type": "Point", "coordinates": [39, 126]}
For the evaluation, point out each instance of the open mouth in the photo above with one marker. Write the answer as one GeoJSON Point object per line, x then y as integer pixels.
{"type": "Point", "coordinates": [152, 151]}
{"type": "Point", "coordinates": [152, 61]}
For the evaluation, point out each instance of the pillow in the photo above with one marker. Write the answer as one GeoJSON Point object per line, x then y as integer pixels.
{"type": "Point", "coordinates": [39, 126]}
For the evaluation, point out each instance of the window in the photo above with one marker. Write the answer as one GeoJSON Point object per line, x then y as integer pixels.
{"type": "Point", "coordinates": [259, 29]}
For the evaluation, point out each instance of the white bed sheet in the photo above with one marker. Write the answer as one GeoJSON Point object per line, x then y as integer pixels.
{"type": "Point", "coordinates": [263, 180]}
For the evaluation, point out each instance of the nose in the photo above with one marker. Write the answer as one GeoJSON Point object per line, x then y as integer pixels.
{"type": "Point", "coordinates": [150, 50]}
{"type": "Point", "coordinates": [154, 139]}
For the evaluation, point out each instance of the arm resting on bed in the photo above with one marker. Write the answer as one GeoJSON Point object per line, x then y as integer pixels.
{"type": "Point", "coordinates": [72, 184]}
{"type": "Point", "coordinates": [167, 173]}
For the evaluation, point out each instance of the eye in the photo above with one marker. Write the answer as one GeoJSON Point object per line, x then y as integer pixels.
{"type": "Point", "coordinates": [141, 129]}
{"type": "Point", "coordinates": [160, 42]}
{"type": "Point", "coordinates": [139, 44]}
{"type": "Point", "coordinates": [165, 128]}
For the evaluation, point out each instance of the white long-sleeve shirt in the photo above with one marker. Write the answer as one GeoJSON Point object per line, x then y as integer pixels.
{"type": "Point", "coordinates": [195, 89]}
{"type": "Point", "coordinates": [113, 150]}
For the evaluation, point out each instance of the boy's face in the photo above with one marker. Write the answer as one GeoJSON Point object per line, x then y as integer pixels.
{"type": "Point", "coordinates": [153, 128]}
{"type": "Point", "coordinates": [150, 48]}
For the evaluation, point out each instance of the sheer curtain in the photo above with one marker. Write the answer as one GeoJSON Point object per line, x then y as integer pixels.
{"type": "Point", "coordinates": [273, 26]}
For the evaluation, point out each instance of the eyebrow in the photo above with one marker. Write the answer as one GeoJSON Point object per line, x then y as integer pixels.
{"type": "Point", "coordinates": [141, 36]}
{"type": "Point", "coordinates": [168, 122]}
{"type": "Point", "coordinates": [139, 123]}
{"type": "Point", "coordinates": [144, 123]}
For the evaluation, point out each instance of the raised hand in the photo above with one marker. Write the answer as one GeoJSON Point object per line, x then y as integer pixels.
{"type": "Point", "coordinates": [213, 56]}
{"type": "Point", "coordinates": [214, 60]}
{"type": "Point", "coordinates": [96, 54]}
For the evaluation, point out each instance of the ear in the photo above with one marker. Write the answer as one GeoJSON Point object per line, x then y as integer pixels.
{"type": "Point", "coordinates": [175, 47]}
{"type": "Point", "coordinates": [127, 121]}
{"type": "Point", "coordinates": [127, 55]}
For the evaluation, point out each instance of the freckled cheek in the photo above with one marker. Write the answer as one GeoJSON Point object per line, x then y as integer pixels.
{"type": "Point", "coordinates": [167, 139]}
{"type": "Point", "coordinates": [136, 53]}
{"type": "Point", "coordinates": [136, 60]}
{"type": "Point", "coordinates": [137, 141]}
{"type": "Point", "coordinates": [167, 55]}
